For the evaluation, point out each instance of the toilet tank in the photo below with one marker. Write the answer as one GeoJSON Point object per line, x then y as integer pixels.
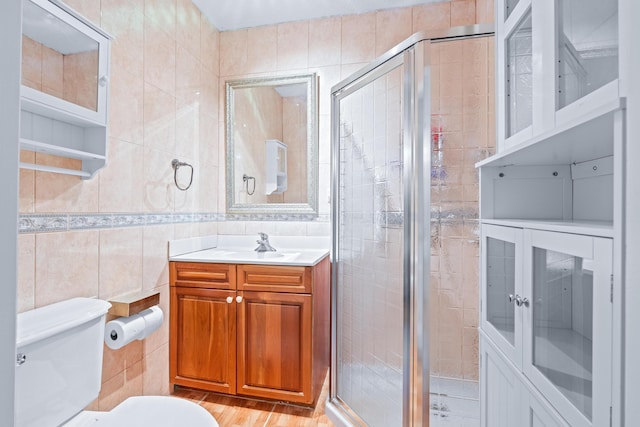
{"type": "Point", "coordinates": [59, 360]}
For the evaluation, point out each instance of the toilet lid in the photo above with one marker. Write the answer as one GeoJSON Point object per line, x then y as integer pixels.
{"type": "Point", "coordinates": [160, 411]}
{"type": "Point", "coordinates": [151, 411]}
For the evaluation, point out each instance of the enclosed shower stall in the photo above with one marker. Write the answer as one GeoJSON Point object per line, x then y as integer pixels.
{"type": "Point", "coordinates": [407, 131]}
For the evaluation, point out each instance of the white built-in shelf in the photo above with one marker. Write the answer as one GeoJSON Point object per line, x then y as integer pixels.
{"type": "Point", "coordinates": [53, 169]}
{"type": "Point", "coordinates": [589, 228]}
{"type": "Point", "coordinates": [57, 150]}
{"type": "Point", "coordinates": [53, 107]}
{"type": "Point", "coordinates": [586, 138]}
{"type": "Point", "coordinates": [68, 127]}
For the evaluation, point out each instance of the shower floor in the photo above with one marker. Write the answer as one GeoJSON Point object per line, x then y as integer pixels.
{"type": "Point", "coordinates": [454, 403]}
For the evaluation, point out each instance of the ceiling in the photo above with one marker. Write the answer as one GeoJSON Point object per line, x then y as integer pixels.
{"type": "Point", "coordinates": [228, 15]}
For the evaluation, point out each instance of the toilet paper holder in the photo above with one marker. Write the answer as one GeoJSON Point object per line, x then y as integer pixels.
{"type": "Point", "coordinates": [133, 303]}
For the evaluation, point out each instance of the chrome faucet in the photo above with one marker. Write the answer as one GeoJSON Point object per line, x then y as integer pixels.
{"type": "Point", "coordinates": [263, 244]}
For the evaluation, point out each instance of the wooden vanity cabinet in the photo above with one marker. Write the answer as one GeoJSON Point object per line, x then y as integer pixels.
{"type": "Point", "coordinates": [267, 337]}
{"type": "Point", "coordinates": [203, 339]}
{"type": "Point", "coordinates": [274, 346]}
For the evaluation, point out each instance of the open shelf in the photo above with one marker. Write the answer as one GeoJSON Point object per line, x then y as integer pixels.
{"type": "Point", "coordinates": [589, 228]}
{"type": "Point", "coordinates": [65, 171]}
{"type": "Point", "coordinates": [586, 138]}
{"type": "Point", "coordinates": [133, 303]}
{"type": "Point", "coordinates": [56, 150]}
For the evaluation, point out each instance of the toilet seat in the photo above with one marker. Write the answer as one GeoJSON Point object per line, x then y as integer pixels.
{"type": "Point", "coordinates": [151, 411]}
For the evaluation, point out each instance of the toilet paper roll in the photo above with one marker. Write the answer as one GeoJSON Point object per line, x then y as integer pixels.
{"type": "Point", "coordinates": [153, 318]}
{"type": "Point", "coordinates": [121, 331]}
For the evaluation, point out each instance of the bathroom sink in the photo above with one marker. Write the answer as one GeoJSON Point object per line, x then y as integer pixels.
{"type": "Point", "coordinates": [242, 255]}
{"type": "Point", "coordinates": [240, 250]}
{"type": "Point", "coordinates": [256, 255]}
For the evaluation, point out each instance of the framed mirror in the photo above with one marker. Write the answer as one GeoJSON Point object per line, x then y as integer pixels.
{"type": "Point", "coordinates": [272, 145]}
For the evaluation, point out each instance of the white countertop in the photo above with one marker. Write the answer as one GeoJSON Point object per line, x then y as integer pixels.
{"type": "Point", "coordinates": [297, 251]}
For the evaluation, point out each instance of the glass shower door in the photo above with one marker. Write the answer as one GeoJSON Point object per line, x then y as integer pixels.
{"type": "Point", "coordinates": [401, 219]}
{"type": "Point", "coordinates": [370, 250]}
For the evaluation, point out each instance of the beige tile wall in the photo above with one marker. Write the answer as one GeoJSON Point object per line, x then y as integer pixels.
{"type": "Point", "coordinates": [333, 48]}
{"type": "Point", "coordinates": [163, 105]}
{"type": "Point", "coordinates": [463, 107]}
{"type": "Point", "coordinates": [168, 67]}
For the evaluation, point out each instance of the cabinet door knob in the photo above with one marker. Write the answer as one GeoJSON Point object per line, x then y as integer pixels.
{"type": "Point", "coordinates": [512, 298]}
{"type": "Point", "coordinates": [238, 299]}
{"type": "Point", "coordinates": [229, 300]}
{"type": "Point", "coordinates": [522, 301]}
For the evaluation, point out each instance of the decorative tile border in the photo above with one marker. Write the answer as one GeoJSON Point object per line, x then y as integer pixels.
{"type": "Point", "coordinates": [45, 223]}
{"type": "Point", "coordinates": [37, 223]}
{"type": "Point", "coordinates": [41, 223]}
{"type": "Point", "coordinates": [273, 217]}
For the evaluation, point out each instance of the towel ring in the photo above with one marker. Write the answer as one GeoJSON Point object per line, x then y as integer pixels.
{"type": "Point", "coordinates": [176, 164]}
{"type": "Point", "coordinates": [246, 179]}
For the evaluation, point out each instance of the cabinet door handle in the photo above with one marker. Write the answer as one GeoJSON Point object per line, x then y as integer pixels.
{"type": "Point", "coordinates": [512, 298]}
{"type": "Point", "coordinates": [229, 300]}
{"type": "Point", "coordinates": [238, 299]}
{"type": "Point", "coordinates": [522, 301]}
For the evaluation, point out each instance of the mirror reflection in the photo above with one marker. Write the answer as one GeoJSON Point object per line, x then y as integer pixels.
{"type": "Point", "coordinates": [272, 145]}
{"type": "Point", "coordinates": [58, 59]}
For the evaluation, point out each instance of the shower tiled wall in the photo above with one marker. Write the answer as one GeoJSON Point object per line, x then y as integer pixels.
{"type": "Point", "coordinates": [462, 123]}
{"type": "Point", "coordinates": [168, 65]}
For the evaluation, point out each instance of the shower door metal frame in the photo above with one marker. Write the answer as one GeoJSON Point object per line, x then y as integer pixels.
{"type": "Point", "coordinates": [414, 54]}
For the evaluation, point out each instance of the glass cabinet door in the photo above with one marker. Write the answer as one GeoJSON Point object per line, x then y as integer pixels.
{"type": "Point", "coordinates": [519, 75]}
{"type": "Point", "coordinates": [570, 318]}
{"type": "Point", "coordinates": [501, 286]}
{"type": "Point", "coordinates": [587, 47]}
{"type": "Point", "coordinates": [64, 62]}
{"type": "Point", "coordinates": [509, 6]}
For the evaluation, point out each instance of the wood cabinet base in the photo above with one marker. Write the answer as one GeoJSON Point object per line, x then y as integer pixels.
{"type": "Point", "coordinates": [257, 338]}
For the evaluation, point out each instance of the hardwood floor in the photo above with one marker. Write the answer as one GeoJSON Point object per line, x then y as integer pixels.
{"type": "Point", "coordinates": [232, 411]}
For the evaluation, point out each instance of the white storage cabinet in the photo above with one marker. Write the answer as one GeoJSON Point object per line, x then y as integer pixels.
{"type": "Point", "coordinates": [65, 113]}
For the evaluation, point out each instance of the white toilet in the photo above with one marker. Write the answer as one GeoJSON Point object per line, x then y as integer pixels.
{"type": "Point", "coordinates": [59, 372]}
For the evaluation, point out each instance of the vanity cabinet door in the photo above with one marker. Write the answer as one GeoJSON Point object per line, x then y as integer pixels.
{"type": "Point", "coordinates": [275, 346]}
{"type": "Point", "coordinates": [203, 339]}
